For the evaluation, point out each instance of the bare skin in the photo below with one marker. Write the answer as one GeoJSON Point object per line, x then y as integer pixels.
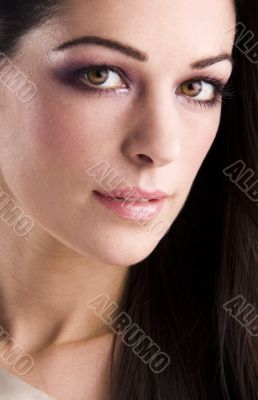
{"type": "Point", "coordinates": [77, 249]}
{"type": "Point", "coordinates": [72, 371]}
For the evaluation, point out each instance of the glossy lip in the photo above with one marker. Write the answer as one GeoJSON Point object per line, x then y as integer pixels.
{"type": "Point", "coordinates": [133, 209]}
{"type": "Point", "coordinates": [134, 193]}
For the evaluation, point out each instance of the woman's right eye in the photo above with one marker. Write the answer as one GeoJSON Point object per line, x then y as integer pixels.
{"type": "Point", "coordinates": [100, 78]}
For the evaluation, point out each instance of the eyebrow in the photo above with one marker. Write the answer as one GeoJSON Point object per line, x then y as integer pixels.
{"type": "Point", "coordinates": [134, 53]}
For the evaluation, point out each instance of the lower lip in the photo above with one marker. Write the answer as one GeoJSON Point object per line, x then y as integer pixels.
{"type": "Point", "coordinates": [133, 210]}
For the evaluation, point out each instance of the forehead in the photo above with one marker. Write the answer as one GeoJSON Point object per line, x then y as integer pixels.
{"type": "Point", "coordinates": [172, 33]}
{"type": "Point", "coordinates": [163, 27]}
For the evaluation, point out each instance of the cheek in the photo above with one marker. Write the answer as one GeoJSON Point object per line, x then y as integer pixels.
{"type": "Point", "coordinates": [206, 134]}
{"type": "Point", "coordinates": [197, 143]}
{"type": "Point", "coordinates": [73, 137]}
{"type": "Point", "coordinates": [45, 153]}
{"type": "Point", "coordinates": [70, 135]}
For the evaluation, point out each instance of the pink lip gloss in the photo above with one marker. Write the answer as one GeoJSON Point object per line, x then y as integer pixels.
{"type": "Point", "coordinates": [132, 209]}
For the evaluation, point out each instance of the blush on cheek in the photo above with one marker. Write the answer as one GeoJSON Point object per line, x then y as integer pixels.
{"type": "Point", "coordinates": [69, 138]}
{"type": "Point", "coordinates": [56, 132]}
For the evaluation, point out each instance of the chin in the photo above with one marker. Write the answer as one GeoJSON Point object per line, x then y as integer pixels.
{"type": "Point", "coordinates": [123, 251]}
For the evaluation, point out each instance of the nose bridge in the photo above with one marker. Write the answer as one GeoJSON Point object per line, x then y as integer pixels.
{"type": "Point", "coordinates": [157, 125]}
{"type": "Point", "coordinates": [159, 114]}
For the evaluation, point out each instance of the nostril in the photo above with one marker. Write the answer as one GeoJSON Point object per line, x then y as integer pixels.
{"type": "Point", "coordinates": [144, 157]}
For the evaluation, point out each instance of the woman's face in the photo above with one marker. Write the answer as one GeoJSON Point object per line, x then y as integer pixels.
{"type": "Point", "coordinates": [153, 130]}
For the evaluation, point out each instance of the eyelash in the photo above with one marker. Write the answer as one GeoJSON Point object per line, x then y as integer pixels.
{"type": "Point", "coordinates": [221, 91]}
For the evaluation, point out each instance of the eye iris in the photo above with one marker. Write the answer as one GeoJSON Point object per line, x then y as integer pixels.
{"type": "Point", "coordinates": [191, 89]}
{"type": "Point", "coordinates": [97, 76]}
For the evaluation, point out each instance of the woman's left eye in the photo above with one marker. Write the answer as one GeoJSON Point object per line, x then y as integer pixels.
{"type": "Point", "coordinates": [202, 91]}
{"type": "Point", "coordinates": [199, 90]}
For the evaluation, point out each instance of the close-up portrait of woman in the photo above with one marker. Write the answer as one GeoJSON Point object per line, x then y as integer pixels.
{"type": "Point", "coordinates": [129, 200]}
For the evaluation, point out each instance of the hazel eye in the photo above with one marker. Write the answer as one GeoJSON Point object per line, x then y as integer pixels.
{"type": "Point", "coordinates": [198, 90]}
{"type": "Point", "coordinates": [101, 77]}
{"type": "Point", "coordinates": [97, 76]}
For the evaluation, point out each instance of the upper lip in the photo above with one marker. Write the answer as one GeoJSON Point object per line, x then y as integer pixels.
{"type": "Point", "coordinates": [134, 193]}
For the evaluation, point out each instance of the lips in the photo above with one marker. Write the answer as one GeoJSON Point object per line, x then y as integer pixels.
{"type": "Point", "coordinates": [135, 209]}
{"type": "Point", "coordinates": [130, 199]}
{"type": "Point", "coordinates": [134, 194]}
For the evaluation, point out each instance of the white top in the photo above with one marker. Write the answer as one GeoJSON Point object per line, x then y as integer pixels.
{"type": "Point", "coordinates": [14, 388]}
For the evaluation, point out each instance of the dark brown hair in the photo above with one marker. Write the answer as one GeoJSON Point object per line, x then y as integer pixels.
{"type": "Point", "coordinates": [177, 295]}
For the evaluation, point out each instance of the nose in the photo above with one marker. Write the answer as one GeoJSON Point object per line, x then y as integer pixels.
{"type": "Point", "coordinates": [154, 134]}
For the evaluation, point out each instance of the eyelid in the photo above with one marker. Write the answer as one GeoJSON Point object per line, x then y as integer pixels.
{"type": "Point", "coordinates": [218, 83]}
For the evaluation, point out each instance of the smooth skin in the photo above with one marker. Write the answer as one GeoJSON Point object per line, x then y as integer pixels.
{"type": "Point", "coordinates": [152, 133]}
